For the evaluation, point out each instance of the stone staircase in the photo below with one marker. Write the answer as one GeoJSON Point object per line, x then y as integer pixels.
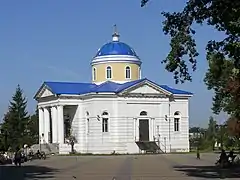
{"type": "Point", "coordinates": [149, 146]}
{"type": "Point", "coordinates": [50, 148]}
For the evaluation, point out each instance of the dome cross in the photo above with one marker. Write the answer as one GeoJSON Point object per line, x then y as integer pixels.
{"type": "Point", "coordinates": [115, 34]}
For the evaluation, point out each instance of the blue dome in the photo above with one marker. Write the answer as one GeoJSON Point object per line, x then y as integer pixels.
{"type": "Point", "coordinates": [116, 48]}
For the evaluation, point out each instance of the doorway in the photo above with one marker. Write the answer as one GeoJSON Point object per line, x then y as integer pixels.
{"type": "Point", "coordinates": [143, 130]}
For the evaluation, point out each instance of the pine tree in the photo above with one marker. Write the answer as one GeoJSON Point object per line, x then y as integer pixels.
{"type": "Point", "coordinates": [16, 120]}
{"type": "Point", "coordinates": [33, 128]}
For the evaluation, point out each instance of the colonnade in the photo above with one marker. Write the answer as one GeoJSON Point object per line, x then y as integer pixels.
{"type": "Point", "coordinates": [55, 115]}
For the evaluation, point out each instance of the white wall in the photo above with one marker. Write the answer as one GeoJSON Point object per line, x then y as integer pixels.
{"type": "Point", "coordinates": [180, 139]}
{"type": "Point", "coordinates": [123, 130]}
{"type": "Point", "coordinates": [97, 141]}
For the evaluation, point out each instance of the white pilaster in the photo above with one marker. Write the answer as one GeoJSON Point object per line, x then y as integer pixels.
{"type": "Point", "coordinates": [46, 125]}
{"type": "Point", "coordinates": [54, 124]}
{"type": "Point", "coordinates": [60, 124]}
{"type": "Point", "coordinates": [151, 129]}
{"type": "Point", "coordinates": [41, 124]}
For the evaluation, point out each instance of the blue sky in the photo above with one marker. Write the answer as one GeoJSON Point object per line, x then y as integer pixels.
{"type": "Point", "coordinates": [56, 39]}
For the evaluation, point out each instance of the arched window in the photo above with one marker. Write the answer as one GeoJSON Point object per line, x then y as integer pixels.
{"type": "Point", "coordinates": [94, 74]}
{"type": "Point", "coordinates": [87, 122]}
{"type": "Point", "coordinates": [177, 117]}
{"type": "Point", "coordinates": [105, 118]}
{"type": "Point", "coordinates": [127, 72]}
{"type": "Point", "coordinates": [109, 72]}
{"type": "Point", "coordinates": [143, 113]}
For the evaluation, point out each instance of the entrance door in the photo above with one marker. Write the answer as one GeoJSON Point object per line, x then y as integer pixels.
{"type": "Point", "coordinates": [143, 130]}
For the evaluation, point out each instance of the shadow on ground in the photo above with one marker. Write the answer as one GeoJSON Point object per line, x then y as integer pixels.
{"type": "Point", "coordinates": [26, 172]}
{"type": "Point", "coordinates": [210, 172]}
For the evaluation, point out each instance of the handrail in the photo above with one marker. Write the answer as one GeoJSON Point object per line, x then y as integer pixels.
{"type": "Point", "coordinates": [160, 143]}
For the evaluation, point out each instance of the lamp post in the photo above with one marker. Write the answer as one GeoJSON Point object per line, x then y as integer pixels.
{"type": "Point", "coordinates": [167, 118]}
{"type": "Point", "coordinates": [171, 99]}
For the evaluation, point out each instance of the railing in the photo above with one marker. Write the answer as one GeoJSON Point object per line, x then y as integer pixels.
{"type": "Point", "coordinates": [160, 144]}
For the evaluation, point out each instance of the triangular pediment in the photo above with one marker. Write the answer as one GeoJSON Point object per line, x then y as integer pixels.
{"type": "Point", "coordinates": [146, 88]}
{"type": "Point", "coordinates": [44, 91]}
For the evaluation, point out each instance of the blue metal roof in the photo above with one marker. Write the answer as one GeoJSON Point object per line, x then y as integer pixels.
{"type": "Point", "coordinates": [70, 88]}
{"type": "Point", "coordinates": [110, 87]}
{"type": "Point", "coordinates": [115, 48]}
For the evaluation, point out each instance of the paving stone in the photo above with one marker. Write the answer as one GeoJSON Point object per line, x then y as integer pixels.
{"type": "Point", "coordinates": [135, 167]}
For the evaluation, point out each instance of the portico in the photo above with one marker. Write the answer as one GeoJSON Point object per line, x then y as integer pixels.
{"type": "Point", "coordinates": [51, 124]}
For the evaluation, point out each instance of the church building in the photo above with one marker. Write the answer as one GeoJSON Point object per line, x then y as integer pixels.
{"type": "Point", "coordinates": [118, 112]}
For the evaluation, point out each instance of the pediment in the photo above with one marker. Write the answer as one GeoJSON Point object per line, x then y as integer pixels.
{"type": "Point", "coordinates": [145, 88]}
{"type": "Point", "coordinates": [44, 91]}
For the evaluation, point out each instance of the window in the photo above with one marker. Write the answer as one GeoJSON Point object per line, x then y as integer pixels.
{"type": "Point", "coordinates": [177, 117]}
{"type": "Point", "coordinates": [109, 72]}
{"type": "Point", "coordinates": [143, 113]}
{"type": "Point", "coordinates": [87, 125]}
{"type": "Point", "coordinates": [128, 72]}
{"type": "Point", "coordinates": [94, 74]}
{"type": "Point", "coordinates": [105, 122]}
{"type": "Point", "coordinates": [87, 122]}
{"type": "Point", "coordinates": [105, 125]}
{"type": "Point", "coordinates": [176, 124]}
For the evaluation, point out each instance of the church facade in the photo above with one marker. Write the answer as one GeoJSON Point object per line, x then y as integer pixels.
{"type": "Point", "coordinates": [118, 112]}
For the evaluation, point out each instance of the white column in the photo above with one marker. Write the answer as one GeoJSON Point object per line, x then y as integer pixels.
{"type": "Point", "coordinates": [152, 129]}
{"type": "Point", "coordinates": [137, 129]}
{"type": "Point", "coordinates": [54, 124]}
{"type": "Point", "coordinates": [41, 124]}
{"type": "Point", "coordinates": [60, 124]}
{"type": "Point", "coordinates": [46, 125]}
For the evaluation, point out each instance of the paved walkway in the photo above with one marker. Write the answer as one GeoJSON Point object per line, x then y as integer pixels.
{"type": "Point", "coordinates": [146, 167]}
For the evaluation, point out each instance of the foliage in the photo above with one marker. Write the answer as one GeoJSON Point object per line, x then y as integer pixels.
{"type": "Point", "coordinates": [222, 15]}
{"type": "Point", "coordinates": [33, 129]}
{"type": "Point", "coordinates": [206, 139]}
{"type": "Point", "coordinates": [15, 121]}
{"type": "Point", "coordinates": [222, 78]}
{"type": "Point", "coordinates": [212, 132]}
{"type": "Point", "coordinates": [234, 127]}
{"type": "Point", "coordinates": [18, 127]}
{"type": "Point", "coordinates": [218, 78]}
{"type": "Point", "coordinates": [223, 75]}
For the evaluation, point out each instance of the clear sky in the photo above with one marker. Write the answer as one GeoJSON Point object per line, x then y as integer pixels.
{"type": "Point", "coordinates": [56, 39]}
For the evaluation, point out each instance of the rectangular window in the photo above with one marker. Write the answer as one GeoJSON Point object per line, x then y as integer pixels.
{"type": "Point", "coordinates": [128, 73]}
{"type": "Point", "coordinates": [105, 125]}
{"type": "Point", "coordinates": [109, 72]}
{"type": "Point", "coordinates": [94, 74]}
{"type": "Point", "coordinates": [87, 125]}
{"type": "Point", "coordinates": [176, 124]}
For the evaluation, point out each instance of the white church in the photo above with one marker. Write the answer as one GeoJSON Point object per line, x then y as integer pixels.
{"type": "Point", "coordinates": [118, 112]}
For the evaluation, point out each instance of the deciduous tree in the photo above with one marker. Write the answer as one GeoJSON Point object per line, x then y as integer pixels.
{"type": "Point", "coordinates": [223, 76]}
{"type": "Point", "coordinates": [222, 15]}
